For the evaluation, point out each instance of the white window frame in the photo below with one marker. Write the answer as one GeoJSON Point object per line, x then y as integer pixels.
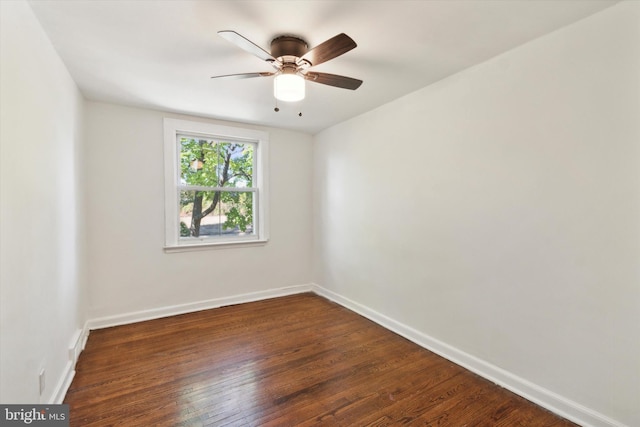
{"type": "Point", "coordinates": [175, 127]}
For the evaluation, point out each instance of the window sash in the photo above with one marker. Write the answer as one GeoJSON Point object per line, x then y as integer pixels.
{"type": "Point", "coordinates": [217, 140]}
{"type": "Point", "coordinates": [255, 225]}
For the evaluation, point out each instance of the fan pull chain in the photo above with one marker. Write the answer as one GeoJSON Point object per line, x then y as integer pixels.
{"type": "Point", "coordinates": [277, 109]}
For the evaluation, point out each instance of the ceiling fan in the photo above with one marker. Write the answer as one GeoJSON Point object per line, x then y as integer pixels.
{"type": "Point", "coordinates": [292, 59]}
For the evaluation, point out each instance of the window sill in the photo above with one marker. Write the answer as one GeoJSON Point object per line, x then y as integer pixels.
{"type": "Point", "coordinates": [214, 245]}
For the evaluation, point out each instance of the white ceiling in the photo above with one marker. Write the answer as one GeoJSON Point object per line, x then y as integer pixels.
{"type": "Point", "coordinates": [160, 54]}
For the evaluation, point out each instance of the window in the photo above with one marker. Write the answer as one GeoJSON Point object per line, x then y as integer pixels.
{"type": "Point", "coordinates": [215, 185]}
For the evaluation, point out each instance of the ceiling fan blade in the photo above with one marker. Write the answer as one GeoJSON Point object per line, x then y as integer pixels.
{"type": "Point", "coordinates": [334, 80]}
{"type": "Point", "coordinates": [246, 44]}
{"type": "Point", "coordinates": [244, 75]}
{"type": "Point", "coordinates": [330, 49]}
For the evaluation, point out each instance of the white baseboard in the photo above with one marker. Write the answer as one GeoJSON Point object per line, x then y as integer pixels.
{"type": "Point", "coordinates": [60, 390]}
{"type": "Point", "coordinates": [156, 313]}
{"type": "Point", "coordinates": [76, 345]}
{"type": "Point", "coordinates": [546, 398]}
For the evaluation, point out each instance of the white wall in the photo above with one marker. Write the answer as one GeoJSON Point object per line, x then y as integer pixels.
{"type": "Point", "coordinates": [498, 211]}
{"type": "Point", "coordinates": [41, 250]}
{"type": "Point", "coordinates": [128, 268]}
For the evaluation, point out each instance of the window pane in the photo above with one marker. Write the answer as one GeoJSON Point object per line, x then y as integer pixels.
{"type": "Point", "coordinates": [198, 162]}
{"type": "Point", "coordinates": [237, 210]}
{"type": "Point", "coordinates": [215, 164]}
{"type": "Point", "coordinates": [236, 164]}
{"type": "Point", "coordinates": [216, 213]}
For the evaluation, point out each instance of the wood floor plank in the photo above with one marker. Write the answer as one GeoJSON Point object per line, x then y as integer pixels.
{"type": "Point", "coordinates": [299, 360]}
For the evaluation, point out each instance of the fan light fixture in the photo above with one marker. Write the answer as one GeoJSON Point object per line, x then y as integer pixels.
{"type": "Point", "coordinates": [288, 87]}
{"type": "Point", "coordinates": [292, 59]}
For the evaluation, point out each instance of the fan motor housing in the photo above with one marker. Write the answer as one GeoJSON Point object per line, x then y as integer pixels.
{"type": "Point", "coordinates": [288, 46]}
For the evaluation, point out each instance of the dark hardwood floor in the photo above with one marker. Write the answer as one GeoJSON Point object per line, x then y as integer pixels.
{"type": "Point", "coordinates": [291, 361]}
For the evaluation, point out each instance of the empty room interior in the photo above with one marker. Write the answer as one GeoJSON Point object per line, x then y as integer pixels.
{"type": "Point", "coordinates": [321, 212]}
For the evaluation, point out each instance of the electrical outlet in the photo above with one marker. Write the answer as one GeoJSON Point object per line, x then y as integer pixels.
{"type": "Point", "coordinates": [41, 380]}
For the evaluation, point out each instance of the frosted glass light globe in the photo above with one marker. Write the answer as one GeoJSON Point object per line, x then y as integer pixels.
{"type": "Point", "coordinates": [289, 87]}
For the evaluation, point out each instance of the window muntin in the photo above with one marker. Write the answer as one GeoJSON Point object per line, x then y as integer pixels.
{"type": "Point", "coordinates": [215, 184]}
